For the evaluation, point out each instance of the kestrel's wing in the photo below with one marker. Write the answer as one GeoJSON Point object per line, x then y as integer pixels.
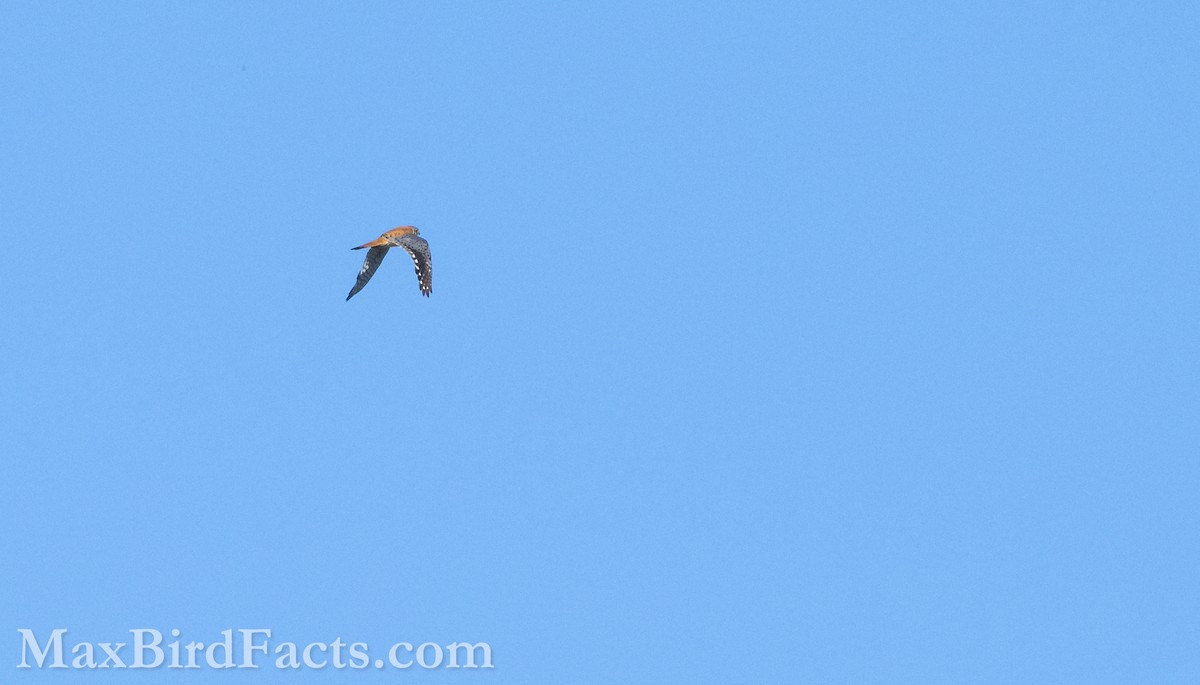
{"type": "Point", "coordinates": [374, 258]}
{"type": "Point", "coordinates": [418, 249]}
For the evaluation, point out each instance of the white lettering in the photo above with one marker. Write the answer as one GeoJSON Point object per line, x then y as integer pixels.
{"type": "Point", "coordinates": [288, 659]}
{"type": "Point", "coordinates": [226, 645]}
{"type": "Point", "coordinates": [487, 654]}
{"type": "Point", "coordinates": [437, 649]}
{"type": "Point", "coordinates": [112, 657]}
{"type": "Point", "coordinates": [85, 660]}
{"type": "Point", "coordinates": [308, 660]}
{"type": "Point", "coordinates": [396, 663]}
{"type": "Point", "coordinates": [30, 644]}
{"type": "Point", "coordinates": [358, 655]}
{"type": "Point", "coordinates": [249, 647]}
{"type": "Point", "coordinates": [140, 647]}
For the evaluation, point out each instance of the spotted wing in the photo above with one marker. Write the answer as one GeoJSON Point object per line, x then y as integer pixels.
{"type": "Point", "coordinates": [418, 249]}
{"type": "Point", "coordinates": [374, 258]}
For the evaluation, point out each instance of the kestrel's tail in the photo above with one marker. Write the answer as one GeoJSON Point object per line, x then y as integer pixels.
{"type": "Point", "coordinates": [378, 242]}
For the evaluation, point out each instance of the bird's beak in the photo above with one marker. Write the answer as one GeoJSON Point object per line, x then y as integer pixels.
{"type": "Point", "coordinates": [378, 242]}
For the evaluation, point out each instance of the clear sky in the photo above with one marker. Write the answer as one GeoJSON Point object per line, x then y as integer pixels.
{"type": "Point", "coordinates": [769, 342]}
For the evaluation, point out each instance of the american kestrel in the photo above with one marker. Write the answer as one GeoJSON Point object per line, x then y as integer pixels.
{"type": "Point", "coordinates": [407, 237]}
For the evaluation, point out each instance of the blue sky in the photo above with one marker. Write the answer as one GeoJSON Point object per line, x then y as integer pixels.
{"type": "Point", "coordinates": [769, 342]}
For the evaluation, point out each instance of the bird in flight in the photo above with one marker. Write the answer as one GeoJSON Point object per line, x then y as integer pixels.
{"type": "Point", "coordinates": [407, 237]}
